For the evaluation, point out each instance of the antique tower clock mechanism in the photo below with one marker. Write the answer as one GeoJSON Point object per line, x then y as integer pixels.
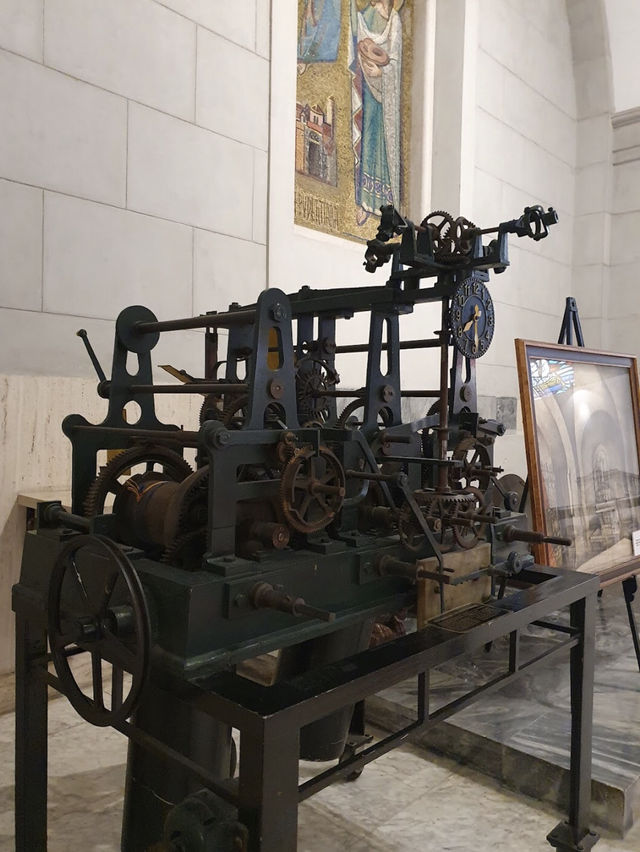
{"type": "Point", "coordinates": [252, 571]}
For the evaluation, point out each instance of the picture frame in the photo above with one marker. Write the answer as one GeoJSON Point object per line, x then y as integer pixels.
{"type": "Point", "coordinates": [581, 420]}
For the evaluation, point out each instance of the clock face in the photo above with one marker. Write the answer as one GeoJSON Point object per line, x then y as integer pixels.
{"type": "Point", "coordinates": [472, 318]}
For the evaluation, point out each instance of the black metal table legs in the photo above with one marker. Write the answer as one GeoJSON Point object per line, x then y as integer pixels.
{"type": "Point", "coordinates": [268, 789]}
{"type": "Point", "coordinates": [574, 835]}
{"type": "Point", "coordinates": [630, 587]}
{"type": "Point", "coordinates": [31, 737]}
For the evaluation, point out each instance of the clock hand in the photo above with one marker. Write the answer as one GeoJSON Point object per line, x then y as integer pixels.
{"type": "Point", "coordinates": [468, 325]}
{"type": "Point", "coordinates": [475, 332]}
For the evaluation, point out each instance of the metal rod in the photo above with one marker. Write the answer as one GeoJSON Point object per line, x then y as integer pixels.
{"type": "Point", "coordinates": [57, 513]}
{"type": "Point", "coordinates": [427, 343]}
{"type": "Point", "coordinates": [180, 436]}
{"type": "Point", "coordinates": [203, 321]}
{"type": "Point", "coordinates": [373, 477]}
{"type": "Point", "coordinates": [443, 476]}
{"type": "Point", "coordinates": [82, 333]}
{"type": "Point", "coordinates": [357, 393]}
{"type": "Point", "coordinates": [193, 387]}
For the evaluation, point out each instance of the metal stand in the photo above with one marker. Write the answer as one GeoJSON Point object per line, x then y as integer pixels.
{"type": "Point", "coordinates": [571, 323]}
{"type": "Point", "coordinates": [270, 718]}
{"type": "Point", "coordinates": [629, 588]}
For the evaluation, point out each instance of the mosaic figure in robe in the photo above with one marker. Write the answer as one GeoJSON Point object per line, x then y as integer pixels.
{"type": "Point", "coordinates": [375, 62]}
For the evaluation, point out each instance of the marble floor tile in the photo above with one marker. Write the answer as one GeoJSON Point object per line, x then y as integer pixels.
{"type": "Point", "coordinates": [532, 715]}
{"type": "Point", "coordinates": [407, 801]}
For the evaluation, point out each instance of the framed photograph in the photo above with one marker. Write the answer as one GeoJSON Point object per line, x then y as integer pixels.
{"type": "Point", "coordinates": [582, 435]}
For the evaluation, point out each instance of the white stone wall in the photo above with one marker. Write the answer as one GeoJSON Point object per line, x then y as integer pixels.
{"type": "Point", "coordinates": [623, 309]}
{"type": "Point", "coordinates": [511, 143]}
{"type": "Point", "coordinates": [133, 167]}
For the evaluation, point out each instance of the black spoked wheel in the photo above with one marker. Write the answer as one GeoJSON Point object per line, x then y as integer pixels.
{"type": "Point", "coordinates": [97, 607]}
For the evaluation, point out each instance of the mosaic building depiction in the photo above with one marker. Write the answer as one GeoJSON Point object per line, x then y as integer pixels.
{"type": "Point", "coordinates": [352, 113]}
{"type": "Point", "coordinates": [315, 142]}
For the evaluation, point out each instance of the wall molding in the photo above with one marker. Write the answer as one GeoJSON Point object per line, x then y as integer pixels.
{"type": "Point", "coordinates": [625, 117]}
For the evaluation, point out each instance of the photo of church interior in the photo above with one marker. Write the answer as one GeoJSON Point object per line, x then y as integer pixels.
{"type": "Point", "coordinates": [319, 425]}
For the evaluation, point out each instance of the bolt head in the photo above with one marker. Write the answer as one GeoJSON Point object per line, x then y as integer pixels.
{"type": "Point", "coordinates": [278, 312]}
{"type": "Point", "coordinates": [222, 437]}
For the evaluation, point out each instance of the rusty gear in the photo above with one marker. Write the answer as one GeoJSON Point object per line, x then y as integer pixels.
{"type": "Point", "coordinates": [476, 465]}
{"type": "Point", "coordinates": [467, 536]}
{"type": "Point", "coordinates": [439, 223]}
{"type": "Point", "coordinates": [314, 377]}
{"type": "Point", "coordinates": [212, 408]}
{"type": "Point", "coordinates": [187, 512]}
{"type": "Point", "coordinates": [463, 234]}
{"type": "Point", "coordinates": [343, 421]}
{"type": "Point", "coordinates": [174, 468]}
{"type": "Point", "coordinates": [440, 511]}
{"type": "Point", "coordinates": [312, 489]}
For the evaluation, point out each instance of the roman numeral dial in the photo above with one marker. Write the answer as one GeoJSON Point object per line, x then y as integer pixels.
{"type": "Point", "coordinates": [471, 318]}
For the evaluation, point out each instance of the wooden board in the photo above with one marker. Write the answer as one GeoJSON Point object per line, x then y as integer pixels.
{"type": "Point", "coordinates": [462, 562]}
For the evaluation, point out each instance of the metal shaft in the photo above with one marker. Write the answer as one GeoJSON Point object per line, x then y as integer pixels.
{"type": "Point", "coordinates": [204, 321]}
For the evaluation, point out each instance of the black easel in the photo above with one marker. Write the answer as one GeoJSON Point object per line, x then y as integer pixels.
{"type": "Point", "coordinates": [571, 323]}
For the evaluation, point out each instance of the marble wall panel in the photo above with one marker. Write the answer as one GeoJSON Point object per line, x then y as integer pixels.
{"type": "Point", "coordinates": [60, 133]}
{"type": "Point", "coordinates": [98, 260]}
{"type": "Point", "coordinates": [188, 174]}
{"type": "Point", "coordinates": [136, 48]}
{"type": "Point", "coordinates": [233, 90]}
{"type": "Point", "coordinates": [235, 21]}
{"type": "Point", "coordinates": [226, 270]}
{"type": "Point", "coordinates": [21, 27]}
{"type": "Point", "coordinates": [20, 246]}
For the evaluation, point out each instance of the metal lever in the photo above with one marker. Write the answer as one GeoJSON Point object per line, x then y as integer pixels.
{"type": "Point", "coordinates": [264, 595]}
{"type": "Point", "coordinates": [82, 333]}
{"type": "Point", "coordinates": [511, 533]}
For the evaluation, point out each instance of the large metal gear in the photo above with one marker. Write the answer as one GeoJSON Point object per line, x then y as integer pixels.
{"type": "Point", "coordinates": [212, 408]}
{"type": "Point", "coordinates": [235, 413]}
{"type": "Point", "coordinates": [312, 488]}
{"type": "Point", "coordinates": [172, 468]}
{"type": "Point", "coordinates": [187, 514]}
{"type": "Point", "coordinates": [345, 420]}
{"type": "Point", "coordinates": [439, 223]}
